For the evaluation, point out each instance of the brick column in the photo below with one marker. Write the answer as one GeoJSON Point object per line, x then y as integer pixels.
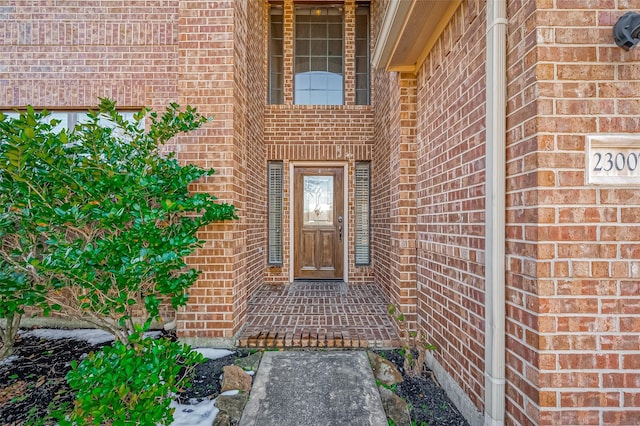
{"type": "Point", "coordinates": [403, 203]}
{"type": "Point", "coordinates": [206, 81]}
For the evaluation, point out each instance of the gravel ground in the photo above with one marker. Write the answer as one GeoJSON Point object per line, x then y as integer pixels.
{"type": "Point", "coordinates": [34, 379]}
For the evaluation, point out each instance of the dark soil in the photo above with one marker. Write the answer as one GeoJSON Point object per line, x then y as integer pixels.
{"type": "Point", "coordinates": [34, 381]}
{"type": "Point", "coordinates": [206, 380]}
{"type": "Point", "coordinates": [428, 403]}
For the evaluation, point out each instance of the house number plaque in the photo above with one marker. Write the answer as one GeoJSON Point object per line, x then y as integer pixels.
{"type": "Point", "coordinates": [613, 160]}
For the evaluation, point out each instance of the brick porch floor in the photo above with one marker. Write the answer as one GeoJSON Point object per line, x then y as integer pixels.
{"type": "Point", "coordinates": [319, 315]}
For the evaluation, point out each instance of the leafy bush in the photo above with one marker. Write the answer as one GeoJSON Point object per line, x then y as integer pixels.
{"type": "Point", "coordinates": [133, 219]}
{"type": "Point", "coordinates": [130, 384]}
{"type": "Point", "coordinates": [28, 193]}
{"type": "Point", "coordinates": [97, 221]}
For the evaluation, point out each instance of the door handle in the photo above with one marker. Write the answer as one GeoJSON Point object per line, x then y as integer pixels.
{"type": "Point", "coordinates": [340, 232]}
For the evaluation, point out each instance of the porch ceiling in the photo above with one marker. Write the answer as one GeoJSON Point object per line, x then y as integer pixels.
{"type": "Point", "coordinates": [409, 30]}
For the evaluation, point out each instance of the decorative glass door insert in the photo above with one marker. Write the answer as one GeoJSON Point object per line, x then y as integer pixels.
{"type": "Point", "coordinates": [318, 200]}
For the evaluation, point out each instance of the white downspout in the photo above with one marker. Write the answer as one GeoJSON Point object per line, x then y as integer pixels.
{"type": "Point", "coordinates": [495, 213]}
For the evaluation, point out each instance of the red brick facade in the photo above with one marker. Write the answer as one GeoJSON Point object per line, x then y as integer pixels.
{"type": "Point", "coordinates": [338, 134]}
{"type": "Point", "coordinates": [573, 341]}
{"type": "Point", "coordinates": [450, 187]}
{"type": "Point", "coordinates": [69, 55]}
{"type": "Point", "coordinates": [572, 284]}
{"type": "Point", "coordinates": [222, 76]}
{"type": "Point", "coordinates": [572, 249]}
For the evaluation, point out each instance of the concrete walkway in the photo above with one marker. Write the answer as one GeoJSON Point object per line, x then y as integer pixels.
{"type": "Point", "coordinates": [305, 388]}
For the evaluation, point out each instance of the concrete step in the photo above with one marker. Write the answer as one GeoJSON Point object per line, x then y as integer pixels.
{"type": "Point", "coordinates": [314, 388]}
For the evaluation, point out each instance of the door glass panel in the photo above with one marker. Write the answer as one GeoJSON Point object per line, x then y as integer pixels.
{"type": "Point", "coordinates": [318, 200]}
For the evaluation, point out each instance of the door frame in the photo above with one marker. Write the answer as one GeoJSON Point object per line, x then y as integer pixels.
{"type": "Point", "coordinates": [345, 196]}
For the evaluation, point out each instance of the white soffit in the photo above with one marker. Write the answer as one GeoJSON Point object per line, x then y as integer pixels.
{"type": "Point", "coordinates": [409, 30]}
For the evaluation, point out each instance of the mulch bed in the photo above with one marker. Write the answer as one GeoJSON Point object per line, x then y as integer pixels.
{"type": "Point", "coordinates": [428, 403]}
{"type": "Point", "coordinates": [34, 377]}
{"type": "Point", "coordinates": [34, 380]}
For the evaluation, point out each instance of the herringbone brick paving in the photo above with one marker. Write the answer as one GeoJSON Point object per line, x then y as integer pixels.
{"type": "Point", "coordinates": [325, 314]}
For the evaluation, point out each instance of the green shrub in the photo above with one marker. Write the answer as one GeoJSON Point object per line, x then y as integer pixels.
{"type": "Point", "coordinates": [28, 193]}
{"type": "Point", "coordinates": [97, 221]}
{"type": "Point", "coordinates": [130, 384]}
{"type": "Point", "coordinates": [130, 219]}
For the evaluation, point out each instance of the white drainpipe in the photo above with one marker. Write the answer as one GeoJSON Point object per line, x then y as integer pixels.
{"type": "Point", "coordinates": [495, 214]}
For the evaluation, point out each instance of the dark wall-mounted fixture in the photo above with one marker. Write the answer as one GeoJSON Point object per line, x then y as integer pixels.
{"type": "Point", "coordinates": [626, 32]}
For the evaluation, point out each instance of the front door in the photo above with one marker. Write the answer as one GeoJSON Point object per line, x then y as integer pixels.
{"type": "Point", "coordinates": [318, 222]}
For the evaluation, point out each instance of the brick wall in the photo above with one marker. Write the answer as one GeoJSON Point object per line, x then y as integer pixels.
{"type": "Point", "coordinates": [384, 93]}
{"type": "Point", "coordinates": [450, 198]}
{"type": "Point", "coordinates": [522, 322]}
{"type": "Point", "coordinates": [253, 89]}
{"type": "Point", "coordinates": [572, 344]}
{"type": "Point", "coordinates": [385, 98]}
{"type": "Point", "coordinates": [394, 182]}
{"type": "Point", "coordinates": [318, 133]}
{"type": "Point", "coordinates": [66, 56]}
{"type": "Point", "coordinates": [393, 189]}
{"type": "Point", "coordinates": [403, 203]}
{"type": "Point", "coordinates": [573, 295]}
{"type": "Point", "coordinates": [223, 76]}
{"type": "Point", "coordinates": [249, 173]}
{"type": "Point", "coordinates": [210, 310]}
{"type": "Point", "coordinates": [69, 55]}
{"type": "Point", "coordinates": [339, 133]}
{"type": "Point", "coordinates": [572, 250]}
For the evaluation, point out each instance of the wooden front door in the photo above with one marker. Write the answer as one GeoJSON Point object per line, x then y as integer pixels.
{"type": "Point", "coordinates": [318, 223]}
